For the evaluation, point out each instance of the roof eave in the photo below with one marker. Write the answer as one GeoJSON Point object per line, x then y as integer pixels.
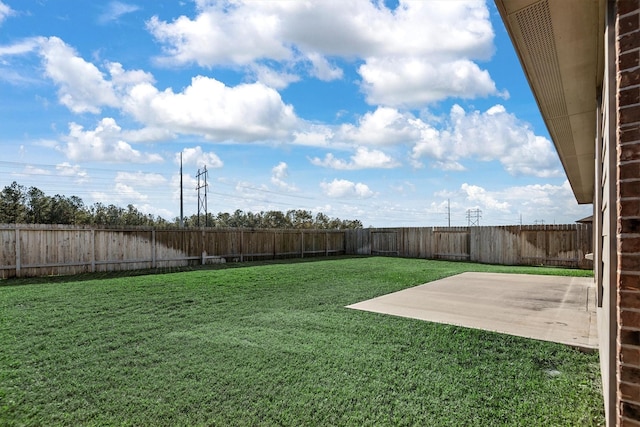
{"type": "Point", "coordinates": [560, 47]}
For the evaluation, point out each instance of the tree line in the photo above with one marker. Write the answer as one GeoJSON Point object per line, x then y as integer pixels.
{"type": "Point", "coordinates": [21, 205]}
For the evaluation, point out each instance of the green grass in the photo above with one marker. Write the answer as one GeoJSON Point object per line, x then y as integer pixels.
{"type": "Point", "coordinates": [272, 344]}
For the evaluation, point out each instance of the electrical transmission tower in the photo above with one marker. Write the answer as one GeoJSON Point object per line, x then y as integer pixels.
{"type": "Point", "coordinates": [202, 199]}
{"type": "Point", "coordinates": [473, 217]}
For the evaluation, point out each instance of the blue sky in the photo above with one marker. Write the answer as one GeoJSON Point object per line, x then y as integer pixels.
{"type": "Point", "coordinates": [378, 111]}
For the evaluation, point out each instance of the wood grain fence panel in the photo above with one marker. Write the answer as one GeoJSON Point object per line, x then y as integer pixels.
{"type": "Point", "coordinates": [174, 250]}
{"type": "Point", "coordinates": [337, 243]}
{"type": "Point", "coordinates": [428, 243]}
{"type": "Point", "coordinates": [533, 245]}
{"type": "Point", "coordinates": [451, 243]}
{"type": "Point", "coordinates": [562, 247]}
{"type": "Point", "coordinates": [314, 243]}
{"type": "Point", "coordinates": [495, 245]}
{"type": "Point", "coordinates": [351, 242]}
{"type": "Point", "coordinates": [288, 244]}
{"type": "Point", "coordinates": [410, 242]}
{"type": "Point", "coordinates": [358, 242]}
{"type": "Point", "coordinates": [224, 244]}
{"type": "Point", "coordinates": [7, 253]}
{"type": "Point", "coordinates": [257, 244]}
{"type": "Point", "coordinates": [385, 242]}
{"type": "Point", "coordinates": [585, 245]}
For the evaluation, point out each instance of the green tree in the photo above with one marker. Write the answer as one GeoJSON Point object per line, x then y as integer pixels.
{"type": "Point", "coordinates": [322, 221]}
{"type": "Point", "coordinates": [13, 208]}
{"type": "Point", "coordinates": [38, 207]}
{"type": "Point", "coordinates": [275, 219]}
{"type": "Point", "coordinates": [300, 218]}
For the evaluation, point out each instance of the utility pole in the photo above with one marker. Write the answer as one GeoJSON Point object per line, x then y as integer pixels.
{"type": "Point", "coordinates": [520, 221]}
{"type": "Point", "coordinates": [181, 198]}
{"type": "Point", "coordinates": [473, 217]}
{"type": "Point", "coordinates": [449, 212]}
{"type": "Point", "coordinates": [202, 200]}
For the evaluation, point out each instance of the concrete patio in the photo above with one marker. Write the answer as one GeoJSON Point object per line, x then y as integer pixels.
{"type": "Point", "coordinates": [550, 308]}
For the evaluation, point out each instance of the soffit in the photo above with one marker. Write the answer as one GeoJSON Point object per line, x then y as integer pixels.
{"type": "Point", "coordinates": [559, 43]}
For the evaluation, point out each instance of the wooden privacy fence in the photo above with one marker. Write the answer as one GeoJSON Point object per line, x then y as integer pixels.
{"type": "Point", "coordinates": [41, 250]}
{"type": "Point", "coordinates": [556, 245]}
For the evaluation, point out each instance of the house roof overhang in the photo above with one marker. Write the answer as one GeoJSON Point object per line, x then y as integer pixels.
{"type": "Point", "coordinates": [560, 44]}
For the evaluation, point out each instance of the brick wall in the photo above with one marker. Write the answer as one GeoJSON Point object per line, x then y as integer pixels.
{"type": "Point", "coordinates": [628, 212]}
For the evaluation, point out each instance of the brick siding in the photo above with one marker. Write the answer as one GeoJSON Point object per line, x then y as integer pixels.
{"type": "Point", "coordinates": [628, 212]}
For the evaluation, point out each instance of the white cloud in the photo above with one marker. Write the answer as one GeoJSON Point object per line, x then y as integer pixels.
{"type": "Point", "coordinates": [253, 193]}
{"type": "Point", "coordinates": [247, 112]}
{"type": "Point", "coordinates": [149, 208]}
{"type": "Point", "coordinates": [128, 192]}
{"type": "Point", "coordinates": [491, 135]}
{"type": "Point", "coordinates": [141, 179]}
{"type": "Point", "coordinates": [121, 194]}
{"type": "Point", "coordinates": [32, 170]}
{"type": "Point", "coordinates": [533, 202]}
{"type": "Point", "coordinates": [494, 134]}
{"type": "Point", "coordinates": [447, 165]}
{"type": "Point", "coordinates": [150, 134]}
{"type": "Point", "coordinates": [197, 157]}
{"type": "Point", "coordinates": [384, 126]}
{"type": "Point", "coordinates": [241, 31]}
{"type": "Point", "coordinates": [116, 9]}
{"type": "Point", "coordinates": [279, 174]}
{"type": "Point", "coordinates": [478, 194]}
{"type": "Point", "coordinates": [412, 82]}
{"type": "Point", "coordinates": [17, 78]}
{"type": "Point", "coordinates": [315, 136]}
{"type": "Point", "coordinates": [104, 143]}
{"type": "Point", "coordinates": [418, 53]}
{"type": "Point", "coordinates": [67, 169]}
{"type": "Point", "coordinates": [189, 183]}
{"type": "Point", "coordinates": [126, 79]}
{"type": "Point", "coordinates": [207, 107]}
{"type": "Point", "coordinates": [222, 34]}
{"type": "Point", "coordinates": [82, 86]}
{"type": "Point", "coordinates": [342, 188]}
{"type": "Point", "coordinates": [362, 159]}
{"type": "Point", "coordinates": [322, 69]}
{"type": "Point", "coordinates": [272, 78]}
{"type": "Point", "coordinates": [136, 188]}
{"type": "Point", "coordinates": [21, 47]}
{"type": "Point", "coordinates": [5, 11]}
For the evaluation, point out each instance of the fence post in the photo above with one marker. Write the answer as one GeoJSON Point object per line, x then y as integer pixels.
{"type": "Point", "coordinates": [153, 248]}
{"type": "Point", "coordinates": [301, 243]}
{"type": "Point", "coordinates": [18, 252]}
{"type": "Point", "coordinates": [241, 245]}
{"type": "Point", "coordinates": [93, 250]}
{"type": "Point", "coordinates": [326, 243]}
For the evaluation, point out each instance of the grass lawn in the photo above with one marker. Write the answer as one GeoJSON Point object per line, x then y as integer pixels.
{"type": "Point", "coordinates": [272, 344]}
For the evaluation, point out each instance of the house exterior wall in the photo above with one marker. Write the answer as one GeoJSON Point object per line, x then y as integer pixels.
{"type": "Point", "coordinates": [604, 206]}
{"type": "Point", "coordinates": [627, 205]}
